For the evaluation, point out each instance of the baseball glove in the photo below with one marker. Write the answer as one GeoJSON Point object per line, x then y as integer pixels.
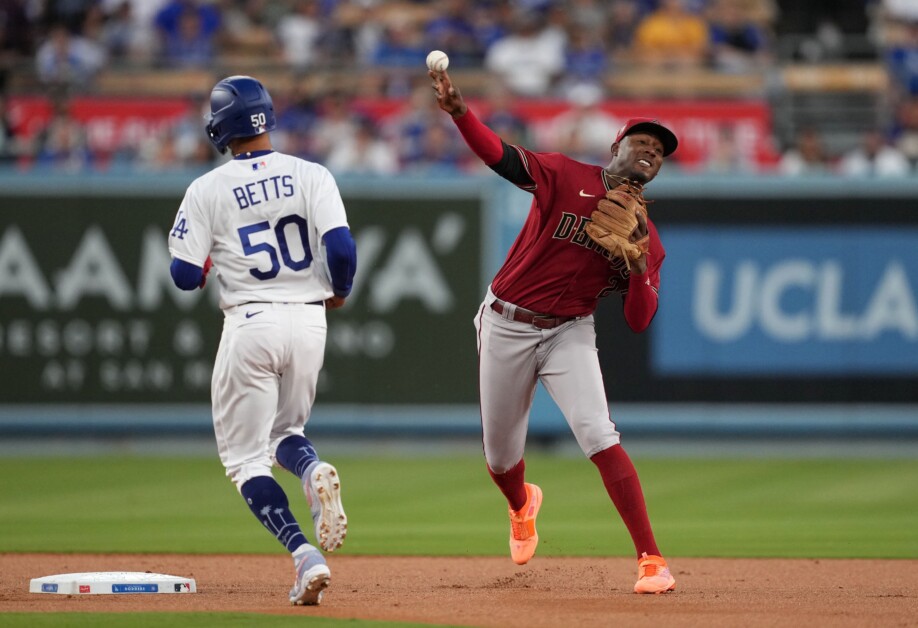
{"type": "Point", "coordinates": [614, 220]}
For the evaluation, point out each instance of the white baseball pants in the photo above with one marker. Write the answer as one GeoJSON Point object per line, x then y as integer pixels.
{"type": "Point", "coordinates": [513, 357]}
{"type": "Point", "coordinates": [264, 381]}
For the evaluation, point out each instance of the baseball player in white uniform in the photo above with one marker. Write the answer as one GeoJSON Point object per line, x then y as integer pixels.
{"type": "Point", "coordinates": [274, 228]}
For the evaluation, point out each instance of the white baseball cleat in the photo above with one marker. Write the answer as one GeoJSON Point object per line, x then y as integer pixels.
{"type": "Point", "coordinates": [312, 578]}
{"type": "Point", "coordinates": [322, 486]}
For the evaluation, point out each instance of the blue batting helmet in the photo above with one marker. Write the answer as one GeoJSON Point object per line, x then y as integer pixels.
{"type": "Point", "coordinates": [240, 106]}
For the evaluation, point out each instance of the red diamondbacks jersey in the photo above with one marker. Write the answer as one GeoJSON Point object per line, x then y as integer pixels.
{"type": "Point", "coordinates": [553, 266]}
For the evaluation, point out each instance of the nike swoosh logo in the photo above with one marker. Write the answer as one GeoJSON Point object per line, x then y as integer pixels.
{"type": "Point", "coordinates": [251, 314]}
{"type": "Point", "coordinates": [584, 194]}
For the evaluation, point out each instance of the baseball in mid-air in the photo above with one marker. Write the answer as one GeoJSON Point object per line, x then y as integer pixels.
{"type": "Point", "coordinates": [437, 61]}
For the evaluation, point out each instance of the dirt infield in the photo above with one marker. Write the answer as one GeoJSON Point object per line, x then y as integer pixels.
{"type": "Point", "coordinates": [492, 591]}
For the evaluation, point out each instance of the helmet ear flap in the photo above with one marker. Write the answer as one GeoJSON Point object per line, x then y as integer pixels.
{"type": "Point", "coordinates": [213, 135]}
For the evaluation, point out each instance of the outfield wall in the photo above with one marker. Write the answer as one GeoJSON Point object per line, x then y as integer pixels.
{"type": "Point", "coordinates": [787, 306]}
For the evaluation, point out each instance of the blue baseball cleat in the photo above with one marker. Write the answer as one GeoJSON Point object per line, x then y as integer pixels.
{"type": "Point", "coordinates": [312, 578]}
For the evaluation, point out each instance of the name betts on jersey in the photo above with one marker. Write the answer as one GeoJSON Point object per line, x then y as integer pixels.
{"type": "Point", "coordinates": [261, 242]}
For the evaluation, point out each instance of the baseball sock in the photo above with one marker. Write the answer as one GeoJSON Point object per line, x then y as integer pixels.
{"type": "Point", "coordinates": [268, 502]}
{"type": "Point", "coordinates": [511, 485]}
{"type": "Point", "coordinates": [295, 453]}
{"type": "Point", "coordinates": [621, 481]}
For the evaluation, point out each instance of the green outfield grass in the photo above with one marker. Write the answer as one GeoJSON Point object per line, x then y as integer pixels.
{"type": "Point", "coordinates": [443, 506]}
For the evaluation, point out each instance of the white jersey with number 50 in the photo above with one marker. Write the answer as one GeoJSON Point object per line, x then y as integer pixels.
{"type": "Point", "coordinates": [261, 220]}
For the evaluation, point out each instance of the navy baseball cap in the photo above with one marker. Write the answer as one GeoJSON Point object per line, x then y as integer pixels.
{"type": "Point", "coordinates": [653, 126]}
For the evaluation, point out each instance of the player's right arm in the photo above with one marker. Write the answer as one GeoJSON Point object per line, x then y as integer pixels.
{"type": "Point", "coordinates": [490, 148]}
{"type": "Point", "coordinates": [188, 276]}
{"type": "Point", "coordinates": [189, 245]}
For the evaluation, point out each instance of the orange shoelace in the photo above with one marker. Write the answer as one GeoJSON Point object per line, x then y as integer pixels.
{"type": "Point", "coordinates": [521, 529]}
{"type": "Point", "coordinates": [651, 569]}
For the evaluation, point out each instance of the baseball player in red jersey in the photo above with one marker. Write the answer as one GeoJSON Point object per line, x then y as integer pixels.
{"type": "Point", "coordinates": [536, 321]}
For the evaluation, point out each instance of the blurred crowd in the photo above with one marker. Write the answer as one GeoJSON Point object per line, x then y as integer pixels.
{"type": "Point", "coordinates": [536, 46]}
{"type": "Point", "coordinates": [530, 49]}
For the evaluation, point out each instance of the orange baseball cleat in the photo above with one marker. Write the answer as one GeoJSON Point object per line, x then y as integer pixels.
{"type": "Point", "coordinates": [653, 575]}
{"type": "Point", "coordinates": [523, 535]}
